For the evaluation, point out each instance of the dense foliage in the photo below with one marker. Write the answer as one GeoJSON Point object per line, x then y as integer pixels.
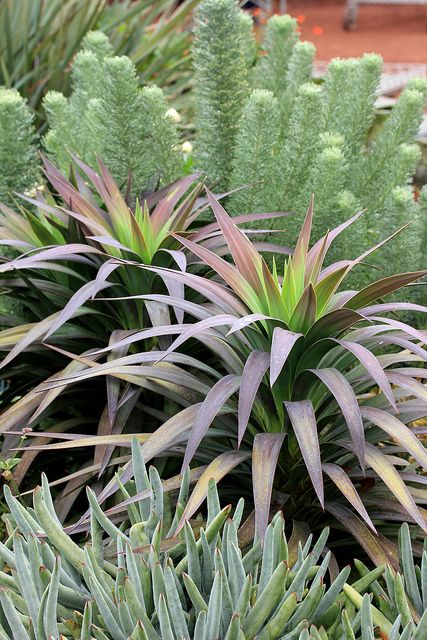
{"type": "Point", "coordinates": [280, 366]}
{"type": "Point", "coordinates": [287, 379]}
{"type": "Point", "coordinates": [260, 121]}
{"type": "Point", "coordinates": [158, 576]}
{"type": "Point", "coordinates": [38, 40]}
{"type": "Point", "coordinates": [109, 115]}
{"type": "Point", "coordinates": [287, 137]}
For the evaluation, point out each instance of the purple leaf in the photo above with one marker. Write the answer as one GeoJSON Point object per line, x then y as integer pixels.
{"type": "Point", "coordinates": [217, 396]}
{"type": "Point", "coordinates": [303, 420]}
{"type": "Point", "coordinates": [199, 327]}
{"type": "Point", "coordinates": [343, 393]}
{"type": "Point", "coordinates": [85, 293]}
{"type": "Point", "coordinates": [265, 453]}
{"type": "Point", "coordinates": [382, 287]}
{"type": "Point", "coordinates": [347, 488]}
{"type": "Point", "coordinates": [282, 344]}
{"type": "Point", "coordinates": [372, 366]}
{"type": "Point", "coordinates": [253, 372]}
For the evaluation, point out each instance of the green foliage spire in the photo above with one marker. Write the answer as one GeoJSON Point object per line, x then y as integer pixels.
{"type": "Point", "coordinates": [110, 116]}
{"type": "Point", "coordinates": [299, 147]}
{"type": "Point", "coordinates": [221, 52]}
{"type": "Point", "coordinates": [70, 119]}
{"type": "Point", "coordinates": [254, 159]}
{"type": "Point", "coordinates": [118, 123]}
{"type": "Point", "coordinates": [351, 87]}
{"type": "Point", "coordinates": [404, 252]}
{"type": "Point", "coordinates": [299, 72]}
{"type": "Point", "coordinates": [326, 181]}
{"type": "Point", "coordinates": [160, 163]}
{"type": "Point", "coordinates": [280, 37]}
{"type": "Point", "coordinates": [18, 157]}
{"type": "Point", "coordinates": [98, 43]}
{"type": "Point", "coordinates": [59, 139]}
{"type": "Point", "coordinates": [401, 127]}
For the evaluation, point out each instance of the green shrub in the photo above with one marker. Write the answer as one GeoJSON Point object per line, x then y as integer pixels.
{"type": "Point", "coordinates": [159, 576]}
{"type": "Point", "coordinates": [109, 116]}
{"type": "Point", "coordinates": [343, 105]}
{"type": "Point", "coordinates": [18, 157]}
{"type": "Point", "coordinates": [221, 49]}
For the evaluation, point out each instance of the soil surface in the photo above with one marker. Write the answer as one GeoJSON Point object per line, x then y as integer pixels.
{"type": "Point", "coordinates": [398, 33]}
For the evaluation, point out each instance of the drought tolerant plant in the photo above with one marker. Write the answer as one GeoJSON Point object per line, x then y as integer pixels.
{"type": "Point", "coordinates": [318, 382]}
{"type": "Point", "coordinates": [109, 115]}
{"type": "Point", "coordinates": [221, 84]}
{"type": "Point", "coordinates": [324, 138]}
{"type": "Point", "coordinates": [18, 157]}
{"type": "Point", "coordinates": [159, 576]}
{"type": "Point", "coordinates": [79, 248]}
{"type": "Point", "coordinates": [80, 235]}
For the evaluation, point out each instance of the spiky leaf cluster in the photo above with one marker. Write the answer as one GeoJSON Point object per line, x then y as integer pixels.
{"type": "Point", "coordinates": [159, 576]}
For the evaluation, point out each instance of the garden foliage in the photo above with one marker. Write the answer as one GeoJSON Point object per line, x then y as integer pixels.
{"type": "Point", "coordinates": [323, 139]}
{"type": "Point", "coordinates": [278, 365]}
{"type": "Point", "coordinates": [18, 157]}
{"type": "Point", "coordinates": [159, 576]}
{"type": "Point", "coordinates": [295, 381]}
{"type": "Point", "coordinates": [109, 115]}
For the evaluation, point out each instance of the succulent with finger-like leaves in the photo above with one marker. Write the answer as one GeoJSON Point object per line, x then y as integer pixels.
{"type": "Point", "coordinates": [156, 576]}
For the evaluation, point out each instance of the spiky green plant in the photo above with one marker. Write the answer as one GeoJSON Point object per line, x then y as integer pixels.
{"type": "Point", "coordinates": [298, 150]}
{"type": "Point", "coordinates": [158, 575]}
{"type": "Point", "coordinates": [279, 40]}
{"type": "Point", "coordinates": [255, 152]}
{"type": "Point", "coordinates": [373, 163]}
{"type": "Point", "coordinates": [297, 357]}
{"type": "Point", "coordinates": [81, 241]}
{"type": "Point", "coordinates": [108, 115]}
{"type": "Point", "coordinates": [221, 49]}
{"type": "Point", "coordinates": [18, 157]}
{"type": "Point", "coordinates": [92, 241]}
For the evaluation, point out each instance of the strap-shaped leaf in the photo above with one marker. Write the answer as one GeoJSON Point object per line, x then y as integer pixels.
{"type": "Point", "coordinates": [388, 474]}
{"type": "Point", "coordinates": [282, 344]}
{"type": "Point", "coordinates": [343, 393]}
{"type": "Point", "coordinates": [347, 488]}
{"type": "Point", "coordinates": [219, 320]}
{"type": "Point", "coordinates": [379, 549]}
{"type": "Point", "coordinates": [228, 272]}
{"type": "Point", "coordinates": [217, 469]}
{"type": "Point", "coordinates": [398, 431]}
{"type": "Point", "coordinates": [217, 396]}
{"type": "Point", "coordinates": [372, 366]}
{"type": "Point", "coordinates": [301, 248]}
{"type": "Point", "coordinates": [332, 324]}
{"type": "Point", "coordinates": [265, 453]}
{"type": "Point", "coordinates": [253, 372]}
{"type": "Point", "coordinates": [382, 287]}
{"type": "Point", "coordinates": [246, 257]}
{"type": "Point", "coordinates": [304, 314]}
{"type": "Point", "coordinates": [303, 420]}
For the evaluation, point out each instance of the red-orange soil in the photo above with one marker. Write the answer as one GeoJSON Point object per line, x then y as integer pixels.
{"type": "Point", "coordinates": [398, 33]}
